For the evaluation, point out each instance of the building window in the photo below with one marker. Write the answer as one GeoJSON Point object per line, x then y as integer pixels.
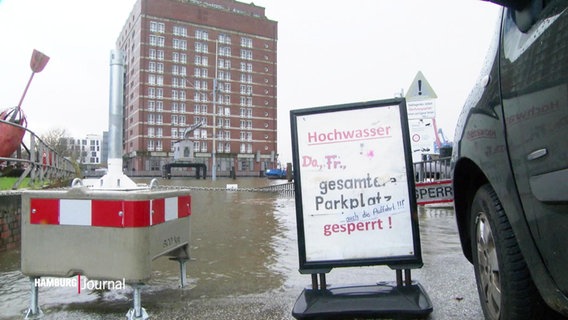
{"type": "Point", "coordinates": [246, 67]}
{"type": "Point", "coordinates": [246, 89]}
{"type": "Point", "coordinates": [246, 54]}
{"type": "Point", "coordinates": [224, 38]}
{"type": "Point", "coordinates": [153, 40]}
{"type": "Point", "coordinates": [159, 27]}
{"type": "Point", "coordinates": [201, 35]}
{"type": "Point", "coordinates": [224, 51]}
{"type": "Point", "coordinates": [246, 77]}
{"type": "Point", "coordinates": [201, 60]}
{"type": "Point", "coordinates": [180, 31]}
{"type": "Point", "coordinates": [179, 44]}
{"type": "Point", "coordinates": [200, 72]}
{"type": "Point", "coordinates": [224, 64]}
{"type": "Point", "coordinates": [246, 42]}
{"type": "Point", "coordinates": [158, 41]}
{"type": "Point", "coordinates": [201, 47]}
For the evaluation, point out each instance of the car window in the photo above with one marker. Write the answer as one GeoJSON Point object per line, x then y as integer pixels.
{"type": "Point", "coordinates": [515, 42]}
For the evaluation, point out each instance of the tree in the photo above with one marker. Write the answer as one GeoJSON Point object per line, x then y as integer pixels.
{"type": "Point", "coordinates": [57, 139]}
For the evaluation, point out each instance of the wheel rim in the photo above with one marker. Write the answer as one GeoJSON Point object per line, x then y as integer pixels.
{"type": "Point", "coordinates": [489, 276]}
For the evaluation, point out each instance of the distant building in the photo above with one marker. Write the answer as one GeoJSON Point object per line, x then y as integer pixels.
{"type": "Point", "coordinates": [89, 150]}
{"type": "Point", "coordinates": [176, 52]}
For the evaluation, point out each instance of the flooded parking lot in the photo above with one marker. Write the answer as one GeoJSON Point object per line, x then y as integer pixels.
{"type": "Point", "coordinates": [244, 265]}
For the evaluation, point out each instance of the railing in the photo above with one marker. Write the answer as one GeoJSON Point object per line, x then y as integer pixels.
{"type": "Point", "coordinates": [432, 170]}
{"type": "Point", "coordinates": [40, 162]}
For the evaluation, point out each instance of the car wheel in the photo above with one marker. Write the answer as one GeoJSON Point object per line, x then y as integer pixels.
{"type": "Point", "coordinates": [505, 287]}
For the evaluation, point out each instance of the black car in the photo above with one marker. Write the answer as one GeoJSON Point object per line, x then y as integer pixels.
{"type": "Point", "coordinates": [510, 165]}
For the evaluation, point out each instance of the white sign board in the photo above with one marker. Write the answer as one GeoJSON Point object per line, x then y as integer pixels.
{"type": "Point", "coordinates": [355, 201]}
{"type": "Point", "coordinates": [422, 137]}
{"type": "Point", "coordinates": [421, 109]}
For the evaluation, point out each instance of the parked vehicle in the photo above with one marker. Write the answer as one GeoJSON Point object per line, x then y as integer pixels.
{"type": "Point", "coordinates": [276, 173]}
{"type": "Point", "coordinates": [510, 165]}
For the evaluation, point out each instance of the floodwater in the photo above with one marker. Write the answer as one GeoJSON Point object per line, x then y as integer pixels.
{"type": "Point", "coordinates": [244, 265]}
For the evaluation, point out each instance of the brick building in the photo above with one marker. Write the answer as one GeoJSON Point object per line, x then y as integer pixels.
{"type": "Point", "coordinates": [178, 53]}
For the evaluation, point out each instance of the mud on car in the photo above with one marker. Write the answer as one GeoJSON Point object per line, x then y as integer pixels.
{"type": "Point", "coordinates": [510, 165]}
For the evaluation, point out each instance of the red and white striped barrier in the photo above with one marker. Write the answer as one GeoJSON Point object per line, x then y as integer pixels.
{"type": "Point", "coordinates": [440, 191]}
{"type": "Point", "coordinates": [108, 213]}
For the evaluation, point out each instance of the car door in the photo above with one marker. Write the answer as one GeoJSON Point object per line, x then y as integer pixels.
{"type": "Point", "coordinates": [534, 88]}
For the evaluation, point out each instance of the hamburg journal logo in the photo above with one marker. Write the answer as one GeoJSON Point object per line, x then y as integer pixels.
{"type": "Point", "coordinates": [80, 283]}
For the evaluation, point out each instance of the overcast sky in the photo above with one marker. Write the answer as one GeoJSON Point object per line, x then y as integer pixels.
{"type": "Point", "coordinates": [329, 52]}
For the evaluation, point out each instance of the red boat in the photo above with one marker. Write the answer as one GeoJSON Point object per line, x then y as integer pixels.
{"type": "Point", "coordinates": [13, 124]}
{"type": "Point", "coordinates": [11, 131]}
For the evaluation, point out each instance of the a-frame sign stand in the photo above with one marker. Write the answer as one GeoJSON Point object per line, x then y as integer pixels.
{"type": "Point", "coordinates": [389, 299]}
{"type": "Point", "coordinates": [355, 206]}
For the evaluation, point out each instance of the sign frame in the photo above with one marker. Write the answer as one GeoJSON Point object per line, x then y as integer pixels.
{"type": "Point", "coordinates": [412, 258]}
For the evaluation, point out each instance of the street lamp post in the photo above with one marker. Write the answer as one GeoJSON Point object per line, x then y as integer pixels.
{"type": "Point", "coordinates": [214, 164]}
{"type": "Point", "coordinates": [215, 90]}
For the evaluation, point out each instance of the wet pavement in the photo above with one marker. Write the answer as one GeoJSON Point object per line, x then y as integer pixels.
{"type": "Point", "coordinates": [245, 266]}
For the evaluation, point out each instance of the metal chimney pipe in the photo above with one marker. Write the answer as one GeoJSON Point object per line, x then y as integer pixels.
{"type": "Point", "coordinates": [115, 112]}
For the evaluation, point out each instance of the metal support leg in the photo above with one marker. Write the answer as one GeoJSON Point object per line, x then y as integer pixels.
{"type": "Point", "coordinates": [398, 278]}
{"type": "Point", "coordinates": [315, 285]}
{"type": "Point", "coordinates": [403, 281]}
{"type": "Point", "coordinates": [323, 283]}
{"type": "Point", "coordinates": [34, 311]}
{"type": "Point", "coordinates": [182, 270]}
{"type": "Point", "coordinates": [137, 312]}
{"type": "Point", "coordinates": [407, 277]}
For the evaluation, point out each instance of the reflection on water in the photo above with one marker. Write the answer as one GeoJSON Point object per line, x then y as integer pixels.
{"type": "Point", "coordinates": [438, 230]}
{"type": "Point", "coordinates": [242, 244]}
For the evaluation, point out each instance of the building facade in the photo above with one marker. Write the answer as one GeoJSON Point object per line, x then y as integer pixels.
{"type": "Point", "coordinates": [200, 61]}
{"type": "Point", "coordinates": [90, 151]}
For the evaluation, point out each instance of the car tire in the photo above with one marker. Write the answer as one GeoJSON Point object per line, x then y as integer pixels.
{"type": "Point", "coordinates": [506, 290]}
